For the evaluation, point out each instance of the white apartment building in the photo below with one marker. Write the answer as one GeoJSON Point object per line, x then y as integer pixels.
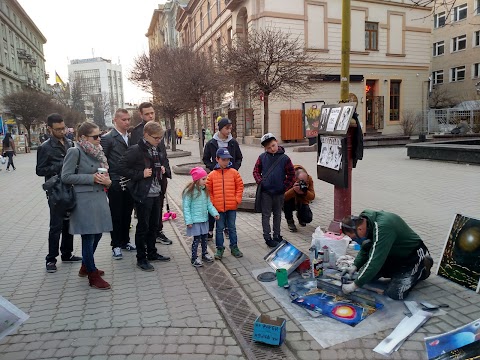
{"type": "Point", "coordinates": [389, 57]}
{"type": "Point", "coordinates": [456, 49]}
{"type": "Point", "coordinates": [22, 61]}
{"type": "Point", "coordinates": [101, 83]}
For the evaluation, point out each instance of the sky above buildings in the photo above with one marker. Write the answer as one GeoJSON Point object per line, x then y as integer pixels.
{"type": "Point", "coordinates": [112, 29]}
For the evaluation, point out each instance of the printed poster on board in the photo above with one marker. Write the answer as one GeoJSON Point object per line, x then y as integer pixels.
{"type": "Point", "coordinates": [330, 152]}
{"type": "Point", "coordinates": [332, 118]}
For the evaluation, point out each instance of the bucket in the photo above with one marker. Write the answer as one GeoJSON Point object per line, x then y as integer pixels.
{"type": "Point", "coordinates": [282, 277]}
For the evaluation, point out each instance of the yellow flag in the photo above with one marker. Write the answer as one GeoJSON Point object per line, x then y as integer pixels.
{"type": "Point", "coordinates": [58, 79]}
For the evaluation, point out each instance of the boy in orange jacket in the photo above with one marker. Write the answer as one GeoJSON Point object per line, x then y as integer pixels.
{"type": "Point", "coordinates": [225, 187]}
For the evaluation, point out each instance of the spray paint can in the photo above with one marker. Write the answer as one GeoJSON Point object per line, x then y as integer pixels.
{"type": "Point", "coordinates": [326, 254]}
{"type": "Point", "coordinates": [332, 259]}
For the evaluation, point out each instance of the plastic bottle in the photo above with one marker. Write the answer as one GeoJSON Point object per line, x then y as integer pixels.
{"type": "Point", "coordinates": [326, 254]}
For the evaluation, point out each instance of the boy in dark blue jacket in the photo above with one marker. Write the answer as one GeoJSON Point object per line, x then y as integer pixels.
{"type": "Point", "coordinates": [275, 171]}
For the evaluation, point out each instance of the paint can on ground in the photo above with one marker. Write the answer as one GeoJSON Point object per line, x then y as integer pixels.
{"type": "Point", "coordinates": [282, 277]}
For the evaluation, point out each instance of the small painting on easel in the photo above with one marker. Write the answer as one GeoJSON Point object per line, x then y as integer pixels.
{"type": "Point", "coordinates": [460, 260]}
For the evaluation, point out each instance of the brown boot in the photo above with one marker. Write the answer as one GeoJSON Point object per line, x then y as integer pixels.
{"type": "Point", "coordinates": [97, 282]}
{"type": "Point", "coordinates": [83, 271]}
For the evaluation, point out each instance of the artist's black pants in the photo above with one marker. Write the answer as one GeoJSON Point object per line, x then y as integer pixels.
{"type": "Point", "coordinates": [121, 206]}
{"type": "Point", "coordinates": [59, 224]}
{"type": "Point", "coordinates": [406, 276]}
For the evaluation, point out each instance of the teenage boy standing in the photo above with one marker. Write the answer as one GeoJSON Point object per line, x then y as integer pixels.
{"type": "Point", "coordinates": [274, 170]}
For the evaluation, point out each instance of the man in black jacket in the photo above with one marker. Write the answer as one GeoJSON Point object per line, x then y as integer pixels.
{"type": "Point", "coordinates": [115, 144]}
{"type": "Point", "coordinates": [222, 139]}
{"type": "Point", "coordinates": [145, 167]}
{"type": "Point", "coordinates": [147, 113]}
{"type": "Point", "coordinates": [50, 156]}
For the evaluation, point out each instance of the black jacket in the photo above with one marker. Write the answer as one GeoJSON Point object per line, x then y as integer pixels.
{"type": "Point", "coordinates": [114, 148]}
{"type": "Point", "coordinates": [50, 156]}
{"type": "Point", "coordinates": [137, 134]}
{"type": "Point", "coordinates": [132, 165]}
{"type": "Point", "coordinates": [210, 152]}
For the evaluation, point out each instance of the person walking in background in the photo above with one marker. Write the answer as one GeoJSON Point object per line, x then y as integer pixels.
{"type": "Point", "coordinates": [8, 149]}
{"type": "Point", "coordinates": [222, 139]}
{"type": "Point", "coordinates": [196, 207]}
{"type": "Point", "coordinates": [208, 135]}
{"type": "Point", "coordinates": [147, 113]}
{"type": "Point", "coordinates": [91, 216]}
{"type": "Point", "coordinates": [50, 156]}
{"type": "Point", "coordinates": [169, 136]}
{"type": "Point", "coordinates": [142, 164]}
{"type": "Point", "coordinates": [225, 187]}
{"type": "Point", "coordinates": [179, 136]}
{"type": "Point", "coordinates": [115, 144]}
{"type": "Point", "coordinates": [274, 170]}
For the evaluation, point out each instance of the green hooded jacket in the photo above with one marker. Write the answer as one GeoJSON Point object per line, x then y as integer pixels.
{"type": "Point", "coordinates": [391, 237]}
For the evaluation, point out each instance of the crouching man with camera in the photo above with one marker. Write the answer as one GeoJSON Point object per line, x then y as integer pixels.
{"type": "Point", "coordinates": [298, 198]}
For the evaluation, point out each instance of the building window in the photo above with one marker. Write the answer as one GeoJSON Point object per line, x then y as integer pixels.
{"type": "Point", "coordinates": [476, 71]}
{"type": "Point", "coordinates": [201, 23]}
{"type": "Point", "coordinates": [438, 48]}
{"type": "Point", "coordinates": [219, 8]}
{"type": "Point", "coordinates": [459, 43]}
{"type": "Point", "coordinates": [459, 12]}
{"type": "Point", "coordinates": [194, 31]}
{"type": "Point", "coordinates": [437, 77]}
{"type": "Point", "coordinates": [477, 7]}
{"type": "Point", "coordinates": [371, 36]}
{"type": "Point", "coordinates": [395, 100]}
{"type": "Point", "coordinates": [476, 37]}
{"type": "Point", "coordinates": [219, 48]}
{"type": "Point", "coordinates": [458, 73]}
{"type": "Point", "coordinates": [439, 20]}
{"type": "Point", "coordinates": [209, 13]}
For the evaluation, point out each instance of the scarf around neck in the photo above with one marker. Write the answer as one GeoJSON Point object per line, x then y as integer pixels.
{"type": "Point", "coordinates": [95, 151]}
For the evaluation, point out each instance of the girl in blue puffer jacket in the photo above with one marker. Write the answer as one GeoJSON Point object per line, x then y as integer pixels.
{"type": "Point", "coordinates": [196, 206]}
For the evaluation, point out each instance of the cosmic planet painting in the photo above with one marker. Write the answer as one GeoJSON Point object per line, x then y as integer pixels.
{"type": "Point", "coordinates": [335, 307]}
{"type": "Point", "coordinates": [460, 261]}
{"type": "Point", "coordinates": [461, 343]}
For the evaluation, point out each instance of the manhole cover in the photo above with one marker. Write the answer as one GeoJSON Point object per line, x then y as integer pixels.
{"type": "Point", "coordinates": [266, 276]}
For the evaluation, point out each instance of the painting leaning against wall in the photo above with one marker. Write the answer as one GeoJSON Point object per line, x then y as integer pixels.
{"type": "Point", "coordinates": [460, 260]}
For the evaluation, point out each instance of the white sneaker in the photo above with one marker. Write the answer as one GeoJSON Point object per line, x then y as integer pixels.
{"type": "Point", "coordinates": [208, 258]}
{"type": "Point", "coordinates": [197, 262]}
{"type": "Point", "coordinates": [130, 247]}
{"type": "Point", "coordinates": [117, 253]}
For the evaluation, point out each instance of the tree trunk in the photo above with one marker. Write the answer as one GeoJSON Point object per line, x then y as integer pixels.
{"type": "Point", "coordinates": [187, 125]}
{"type": "Point", "coordinates": [199, 129]}
{"type": "Point", "coordinates": [174, 134]}
{"type": "Point", "coordinates": [265, 113]}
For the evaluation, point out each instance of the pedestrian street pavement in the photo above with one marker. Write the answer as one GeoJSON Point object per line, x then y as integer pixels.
{"type": "Point", "coordinates": [169, 313]}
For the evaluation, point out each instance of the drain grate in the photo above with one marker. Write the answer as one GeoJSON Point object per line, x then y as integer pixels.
{"type": "Point", "coordinates": [236, 308]}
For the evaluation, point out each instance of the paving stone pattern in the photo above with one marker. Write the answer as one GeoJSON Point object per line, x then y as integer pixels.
{"type": "Point", "coordinates": [169, 314]}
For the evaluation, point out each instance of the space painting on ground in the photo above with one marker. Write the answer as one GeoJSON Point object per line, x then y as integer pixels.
{"type": "Point", "coordinates": [460, 261]}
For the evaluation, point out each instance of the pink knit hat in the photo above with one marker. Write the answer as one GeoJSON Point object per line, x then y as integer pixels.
{"type": "Point", "coordinates": [198, 173]}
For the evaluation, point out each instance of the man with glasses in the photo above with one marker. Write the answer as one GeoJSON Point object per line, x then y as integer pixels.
{"type": "Point", "coordinates": [50, 156]}
{"type": "Point", "coordinates": [147, 113]}
{"type": "Point", "coordinates": [389, 248]}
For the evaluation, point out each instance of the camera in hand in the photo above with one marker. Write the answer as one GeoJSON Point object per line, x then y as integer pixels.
{"type": "Point", "coordinates": [303, 185]}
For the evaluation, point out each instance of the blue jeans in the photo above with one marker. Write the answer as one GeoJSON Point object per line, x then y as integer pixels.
{"type": "Point", "coordinates": [227, 219]}
{"type": "Point", "coordinates": [89, 245]}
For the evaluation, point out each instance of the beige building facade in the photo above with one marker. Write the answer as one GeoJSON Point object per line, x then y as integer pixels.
{"type": "Point", "coordinates": [456, 50]}
{"type": "Point", "coordinates": [390, 56]}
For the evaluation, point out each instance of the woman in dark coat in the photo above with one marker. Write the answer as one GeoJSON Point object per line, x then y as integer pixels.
{"type": "Point", "coordinates": [91, 216]}
{"type": "Point", "coordinates": [8, 148]}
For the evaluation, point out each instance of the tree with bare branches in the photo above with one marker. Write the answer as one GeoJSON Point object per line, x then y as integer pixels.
{"type": "Point", "coordinates": [272, 62]}
{"type": "Point", "coordinates": [29, 107]}
{"type": "Point", "coordinates": [441, 98]}
{"type": "Point", "coordinates": [177, 78]}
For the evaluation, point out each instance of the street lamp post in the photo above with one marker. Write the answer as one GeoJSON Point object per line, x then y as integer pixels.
{"type": "Point", "coordinates": [342, 197]}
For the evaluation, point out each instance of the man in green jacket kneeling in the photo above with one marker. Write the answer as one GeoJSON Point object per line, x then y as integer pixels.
{"type": "Point", "coordinates": [389, 248]}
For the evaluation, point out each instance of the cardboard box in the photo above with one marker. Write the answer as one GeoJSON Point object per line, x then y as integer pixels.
{"type": "Point", "coordinates": [269, 331]}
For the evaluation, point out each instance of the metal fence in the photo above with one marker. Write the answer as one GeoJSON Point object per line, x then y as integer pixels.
{"type": "Point", "coordinates": [445, 120]}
